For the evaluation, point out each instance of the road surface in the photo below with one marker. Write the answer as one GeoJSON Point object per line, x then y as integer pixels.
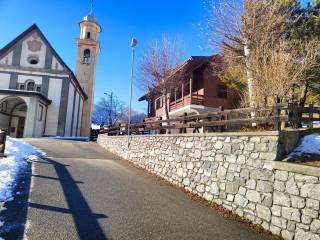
{"type": "Point", "coordinates": [80, 191]}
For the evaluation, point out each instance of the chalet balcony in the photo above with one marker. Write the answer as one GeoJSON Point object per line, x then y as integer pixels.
{"type": "Point", "coordinates": [195, 99]}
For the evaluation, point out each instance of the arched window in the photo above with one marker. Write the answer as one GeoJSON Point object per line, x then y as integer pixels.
{"type": "Point", "coordinates": [86, 56]}
{"type": "Point", "coordinates": [30, 86]}
{"type": "Point", "coordinates": [88, 35]}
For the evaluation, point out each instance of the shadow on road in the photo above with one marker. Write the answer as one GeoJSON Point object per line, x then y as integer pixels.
{"type": "Point", "coordinates": [85, 220]}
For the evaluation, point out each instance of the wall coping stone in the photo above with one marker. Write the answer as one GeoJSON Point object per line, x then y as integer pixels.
{"type": "Point", "coordinates": [296, 168]}
{"type": "Point", "coordinates": [224, 134]}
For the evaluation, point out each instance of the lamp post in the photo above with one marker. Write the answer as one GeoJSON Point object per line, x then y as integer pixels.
{"type": "Point", "coordinates": [134, 43]}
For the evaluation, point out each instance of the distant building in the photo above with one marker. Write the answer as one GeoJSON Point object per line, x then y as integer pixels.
{"type": "Point", "coordinates": [200, 92]}
{"type": "Point", "coordinates": [39, 94]}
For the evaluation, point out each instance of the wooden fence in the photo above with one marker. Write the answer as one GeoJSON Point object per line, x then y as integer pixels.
{"type": "Point", "coordinates": [268, 118]}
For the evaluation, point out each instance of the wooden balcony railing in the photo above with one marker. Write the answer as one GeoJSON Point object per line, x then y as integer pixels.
{"type": "Point", "coordinates": [195, 99]}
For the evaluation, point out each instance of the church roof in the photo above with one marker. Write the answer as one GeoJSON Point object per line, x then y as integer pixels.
{"type": "Point", "coordinates": [90, 18]}
{"type": "Point", "coordinates": [34, 27]}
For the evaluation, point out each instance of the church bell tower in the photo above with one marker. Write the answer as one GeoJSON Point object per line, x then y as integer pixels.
{"type": "Point", "coordinates": [88, 50]}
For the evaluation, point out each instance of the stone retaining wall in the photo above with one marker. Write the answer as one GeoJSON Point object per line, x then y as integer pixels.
{"type": "Point", "coordinates": [237, 171]}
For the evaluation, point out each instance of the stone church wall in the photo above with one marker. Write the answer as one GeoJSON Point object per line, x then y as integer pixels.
{"type": "Point", "coordinates": [237, 171]}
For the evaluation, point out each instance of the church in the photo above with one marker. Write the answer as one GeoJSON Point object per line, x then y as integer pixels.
{"type": "Point", "coordinates": [39, 94]}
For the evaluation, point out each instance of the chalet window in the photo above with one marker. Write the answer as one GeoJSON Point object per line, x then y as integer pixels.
{"type": "Point", "coordinates": [222, 91]}
{"type": "Point", "coordinates": [87, 56]}
{"type": "Point", "coordinates": [173, 95]}
{"type": "Point", "coordinates": [198, 79]}
{"type": "Point", "coordinates": [30, 86]}
{"type": "Point", "coordinates": [186, 88]}
{"type": "Point", "coordinates": [179, 94]}
{"type": "Point", "coordinates": [159, 103]}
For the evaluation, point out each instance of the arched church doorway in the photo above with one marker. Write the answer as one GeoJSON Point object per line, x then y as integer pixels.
{"type": "Point", "coordinates": [13, 112]}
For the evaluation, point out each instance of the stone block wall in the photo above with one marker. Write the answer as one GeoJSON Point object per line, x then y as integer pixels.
{"type": "Point", "coordinates": [237, 171]}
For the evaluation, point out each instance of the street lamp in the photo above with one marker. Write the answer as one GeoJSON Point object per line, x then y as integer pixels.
{"type": "Point", "coordinates": [134, 43]}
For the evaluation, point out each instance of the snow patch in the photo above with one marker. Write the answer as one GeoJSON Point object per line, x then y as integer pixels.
{"type": "Point", "coordinates": [95, 126]}
{"type": "Point", "coordinates": [18, 153]}
{"type": "Point", "coordinates": [309, 145]}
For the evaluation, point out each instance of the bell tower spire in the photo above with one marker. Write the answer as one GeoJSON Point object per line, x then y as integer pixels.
{"type": "Point", "coordinates": [91, 10]}
{"type": "Point", "coordinates": [88, 50]}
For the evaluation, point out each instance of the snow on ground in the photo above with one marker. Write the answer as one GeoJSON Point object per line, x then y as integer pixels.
{"type": "Point", "coordinates": [309, 145]}
{"type": "Point", "coordinates": [95, 126]}
{"type": "Point", "coordinates": [18, 153]}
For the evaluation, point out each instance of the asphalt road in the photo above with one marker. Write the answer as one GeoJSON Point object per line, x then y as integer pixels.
{"type": "Point", "coordinates": [82, 192]}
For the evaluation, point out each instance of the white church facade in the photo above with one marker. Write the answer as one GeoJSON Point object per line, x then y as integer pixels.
{"type": "Point", "coordinates": [39, 94]}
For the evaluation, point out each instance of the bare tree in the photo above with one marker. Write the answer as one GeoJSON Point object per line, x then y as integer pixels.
{"type": "Point", "coordinates": [157, 67]}
{"type": "Point", "coordinates": [109, 111]}
{"type": "Point", "coordinates": [136, 117]}
{"type": "Point", "coordinates": [279, 69]}
{"type": "Point", "coordinates": [259, 53]}
{"type": "Point", "coordinates": [239, 27]}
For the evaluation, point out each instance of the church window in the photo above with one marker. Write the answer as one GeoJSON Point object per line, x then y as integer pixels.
{"type": "Point", "coordinates": [38, 89]}
{"type": "Point", "coordinates": [33, 60]}
{"type": "Point", "coordinates": [86, 56]}
{"type": "Point", "coordinates": [30, 86]}
{"type": "Point", "coordinates": [88, 35]}
{"type": "Point", "coordinates": [21, 87]}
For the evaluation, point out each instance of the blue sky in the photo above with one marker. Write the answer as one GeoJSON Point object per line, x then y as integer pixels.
{"type": "Point", "coordinates": [147, 20]}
